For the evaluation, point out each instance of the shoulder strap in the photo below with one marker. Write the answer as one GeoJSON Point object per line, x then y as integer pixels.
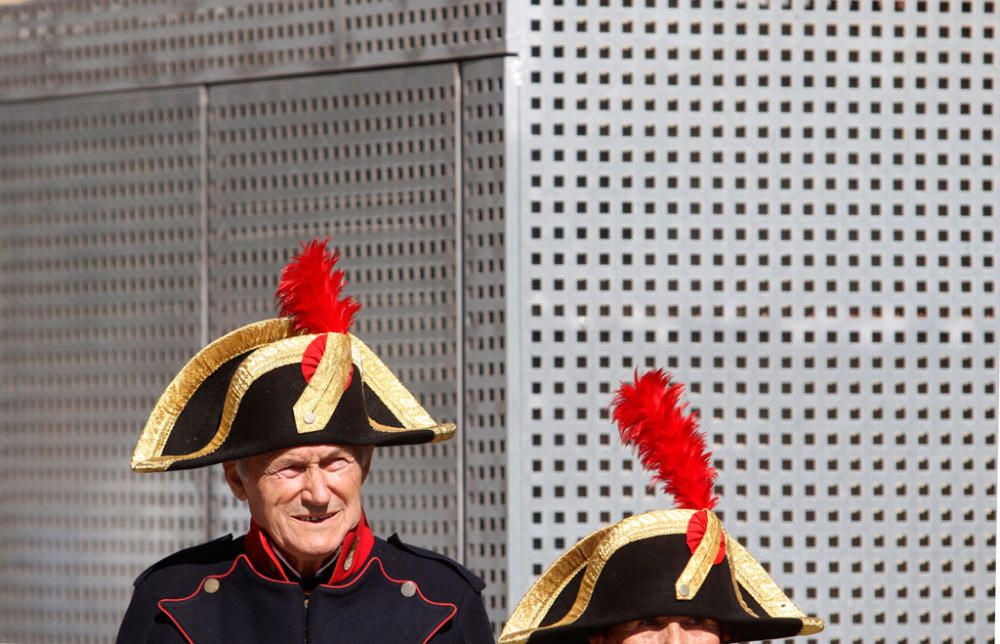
{"type": "Point", "coordinates": [471, 578]}
{"type": "Point", "coordinates": [202, 553]}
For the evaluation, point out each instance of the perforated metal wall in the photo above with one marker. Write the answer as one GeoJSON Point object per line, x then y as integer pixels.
{"type": "Point", "coordinates": [793, 207]}
{"type": "Point", "coordinates": [57, 48]}
{"type": "Point", "coordinates": [368, 159]}
{"type": "Point", "coordinates": [99, 220]}
{"type": "Point", "coordinates": [484, 403]}
{"type": "Point", "coordinates": [372, 159]}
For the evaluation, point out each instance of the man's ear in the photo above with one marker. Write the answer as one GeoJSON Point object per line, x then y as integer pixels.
{"type": "Point", "coordinates": [366, 461]}
{"type": "Point", "coordinates": [233, 479]}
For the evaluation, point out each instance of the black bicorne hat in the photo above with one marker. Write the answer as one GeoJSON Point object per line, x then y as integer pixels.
{"type": "Point", "coordinates": [298, 380]}
{"type": "Point", "coordinates": [665, 563]}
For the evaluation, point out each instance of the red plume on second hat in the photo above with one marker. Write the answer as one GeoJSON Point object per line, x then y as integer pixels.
{"type": "Point", "coordinates": [300, 379]}
{"type": "Point", "coordinates": [652, 418]}
{"type": "Point", "coordinates": [664, 563]}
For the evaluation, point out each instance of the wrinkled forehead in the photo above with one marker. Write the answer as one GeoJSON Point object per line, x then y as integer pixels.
{"type": "Point", "coordinates": [305, 454]}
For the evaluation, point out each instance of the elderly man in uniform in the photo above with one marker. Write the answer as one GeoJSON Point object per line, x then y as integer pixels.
{"type": "Point", "coordinates": [292, 408]}
{"type": "Point", "coordinates": [662, 577]}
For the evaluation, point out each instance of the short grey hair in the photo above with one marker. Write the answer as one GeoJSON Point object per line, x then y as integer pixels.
{"type": "Point", "coordinates": [241, 467]}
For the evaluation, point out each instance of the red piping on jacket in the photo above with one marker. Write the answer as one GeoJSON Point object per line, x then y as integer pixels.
{"type": "Point", "coordinates": [357, 543]}
{"type": "Point", "coordinates": [197, 590]}
{"type": "Point", "coordinates": [381, 567]}
{"type": "Point", "coordinates": [256, 539]}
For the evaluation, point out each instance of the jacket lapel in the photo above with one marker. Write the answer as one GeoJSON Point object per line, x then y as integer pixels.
{"type": "Point", "coordinates": [375, 603]}
{"type": "Point", "coordinates": [239, 606]}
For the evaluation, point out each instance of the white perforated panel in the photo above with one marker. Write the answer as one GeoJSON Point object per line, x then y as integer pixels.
{"type": "Point", "coordinates": [792, 207]}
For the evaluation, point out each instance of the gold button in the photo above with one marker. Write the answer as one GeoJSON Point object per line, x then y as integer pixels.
{"type": "Point", "coordinates": [409, 589]}
{"type": "Point", "coordinates": [309, 417]}
{"type": "Point", "coordinates": [211, 585]}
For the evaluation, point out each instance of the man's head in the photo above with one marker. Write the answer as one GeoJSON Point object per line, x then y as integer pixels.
{"type": "Point", "coordinates": [302, 379]}
{"type": "Point", "coordinates": [662, 630]}
{"type": "Point", "coordinates": [306, 498]}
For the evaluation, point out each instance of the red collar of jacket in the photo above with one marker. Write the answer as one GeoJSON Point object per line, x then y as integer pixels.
{"type": "Point", "coordinates": [351, 558]}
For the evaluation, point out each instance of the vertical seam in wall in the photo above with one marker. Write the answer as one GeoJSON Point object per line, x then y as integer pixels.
{"type": "Point", "coordinates": [203, 265]}
{"type": "Point", "coordinates": [460, 310]}
{"type": "Point", "coordinates": [516, 437]}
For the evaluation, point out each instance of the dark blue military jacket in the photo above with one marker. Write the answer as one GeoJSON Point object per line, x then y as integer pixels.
{"type": "Point", "coordinates": [212, 593]}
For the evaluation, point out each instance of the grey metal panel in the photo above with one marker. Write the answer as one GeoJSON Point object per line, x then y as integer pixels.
{"type": "Point", "coordinates": [484, 426]}
{"type": "Point", "coordinates": [58, 48]}
{"type": "Point", "coordinates": [99, 301]}
{"type": "Point", "coordinates": [391, 32]}
{"type": "Point", "coordinates": [794, 210]}
{"type": "Point", "coordinates": [369, 159]}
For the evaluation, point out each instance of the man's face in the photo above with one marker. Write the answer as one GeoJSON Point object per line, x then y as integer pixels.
{"type": "Point", "coordinates": [662, 630]}
{"type": "Point", "coordinates": [305, 498]}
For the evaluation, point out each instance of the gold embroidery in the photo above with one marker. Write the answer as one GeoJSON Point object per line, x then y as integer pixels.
{"type": "Point", "coordinates": [608, 541]}
{"type": "Point", "coordinates": [177, 395]}
{"type": "Point", "coordinates": [442, 432]}
{"type": "Point", "coordinates": [752, 576]}
{"type": "Point", "coordinates": [261, 361]}
{"type": "Point", "coordinates": [274, 344]}
{"type": "Point", "coordinates": [324, 390]}
{"type": "Point", "coordinates": [701, 560]}
{"type": "Point", "coordinates": [811, 625]}
{"type": "Point", "coordinates": [595, 550]}
{"type": "Point", "coordinates": [389, 389]}
{"type": "Point", "coordinates": [543, 593]}
{"type": "Point", "coordinates": [736, 585]}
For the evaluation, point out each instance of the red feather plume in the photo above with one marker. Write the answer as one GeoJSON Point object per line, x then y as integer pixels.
{"type": "Point", "coordinates": [651, 417]}
{"type": "Point", "coordinates": [309, 289]}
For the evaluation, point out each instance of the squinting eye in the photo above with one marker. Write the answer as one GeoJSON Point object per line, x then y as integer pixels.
{"type": "Point", "coordinates": [629, 627]}
{"type": "Point", "coordinates": [702, 623]}
{"type": "Point", "coordinates": [337, 464]}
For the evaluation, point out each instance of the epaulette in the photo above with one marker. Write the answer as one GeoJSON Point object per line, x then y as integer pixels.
{"type": "Point", "coordinates": [202, 553]}
{"type": "Point", "coordinates": [470, 577]}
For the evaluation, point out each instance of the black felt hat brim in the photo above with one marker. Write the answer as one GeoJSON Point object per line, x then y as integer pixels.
{"type": "Point", "coordinates": [191, 427]}
{"type": "Point", "coordinates": [265, 421]}
{"type": "Point", "coordinates": [629, 571]}
{"type": "Point", "coordinates": [637, 582]}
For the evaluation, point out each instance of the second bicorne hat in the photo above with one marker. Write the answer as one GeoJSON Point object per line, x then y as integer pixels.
{"type": "Point", "coordinates": [301, 379]}
{"type": "Point", "coordinates": [664, 563]}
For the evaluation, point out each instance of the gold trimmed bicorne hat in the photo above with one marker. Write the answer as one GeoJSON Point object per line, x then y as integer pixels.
{"type": "Point", "coordinates": [664, 563]}
{"type": "Point", "coordinates": [301, 379]}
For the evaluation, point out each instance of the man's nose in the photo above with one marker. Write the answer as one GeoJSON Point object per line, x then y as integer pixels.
{"type": "Point", "coordinates": [674, 633]}
{"type": "Point", "coordinates": [315, 490]}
